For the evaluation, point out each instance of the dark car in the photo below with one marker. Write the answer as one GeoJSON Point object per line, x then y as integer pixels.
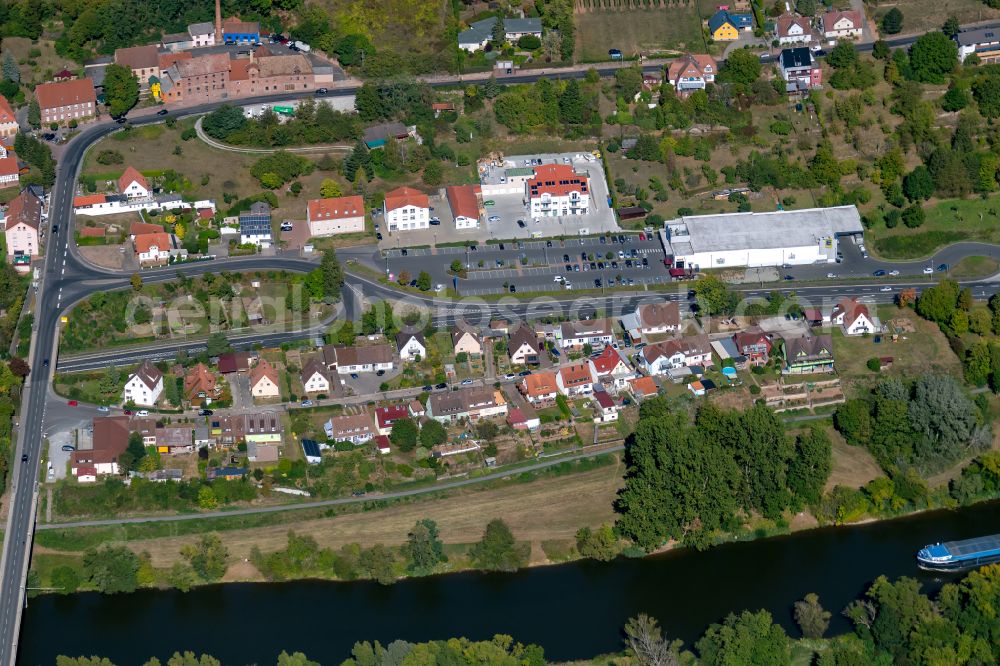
{"type": "Point", "coordinates": [569, 269]}
{"type": "Point", "coordinates": [645, 261]}
{"type": "Point", "coordinates": [942, 268]}
{"type": "Point", "coordinates": [428, 388]}
{"type": "Point", "coordinates": [413, 283]}
{"type": "Point", "coordinates": [614, 239]}
{"type": "Point", "coordinates": [162, 112]}
{"type": "Point", "coordinates": [205, 412]}
{"type": "Point", "coordinates": [121, 120]}
{"type": "Point", "coordinates": [55, 228]}
{"type": "Point", "coordinates": [321, 91]}
{"type": "Point", "coordinates": [24, 457]}
{"type": "Point", "coordinates": [604, 240]}
{"type": "Point", "coordinates": [789, 277]}
{"type": "Point", "coordinates": [521, 224]}
{"type": "Point", "coordinates": [378, 236]}
{"type": "Point", "coordinates": [513, 289]}
{"type": "Point", "coordinates": [879, 273]}
{"type": "Point", "coordinates": [524, 373]}
{"type": "Point", "coordinates": [501, 246]}
{"type": "Point", "coordinates": [380, 373]}
{"type": "Point", "coordinates": [45, 362]}
{"type": "Point", "coordinates": [597, 283]}
{"type": "Point", "coordinates": [442, 385]}
{"type": "Point", "coordinates": [354, 375]}
{"type": "Point", "coordinates": [403, 252]}
{"type": "Point", "coordinates": [548, 243]}
{"type": "Point", "coordinates": [566, 257]}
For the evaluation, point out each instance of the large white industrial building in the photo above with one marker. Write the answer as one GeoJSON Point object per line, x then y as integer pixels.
{"type": "Point", "coordinates": [760, 239]}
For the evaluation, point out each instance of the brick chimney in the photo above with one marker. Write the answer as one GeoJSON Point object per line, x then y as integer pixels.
{"type": "Point", "coordinates": [218, 21]}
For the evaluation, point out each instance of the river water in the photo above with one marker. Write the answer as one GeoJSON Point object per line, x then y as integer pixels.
{"type": "Point", "coordinates": [574, 610]}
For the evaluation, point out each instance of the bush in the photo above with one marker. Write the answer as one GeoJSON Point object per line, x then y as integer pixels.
{"type": "Point", "coordinates": [874, 364]}
{"type": "Point", "coordinates": [529, 42]}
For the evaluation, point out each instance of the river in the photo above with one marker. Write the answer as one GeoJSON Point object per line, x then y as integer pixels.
{"type": "Point", "coordinates": [574, 610]}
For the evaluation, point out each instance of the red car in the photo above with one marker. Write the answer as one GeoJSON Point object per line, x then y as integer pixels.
{"type": "Point", "coordinates": [128, 412]}
{"type": "Point", "coordinates": [642, 236]}
{"type": "Point", "coordinates": [72, 403]}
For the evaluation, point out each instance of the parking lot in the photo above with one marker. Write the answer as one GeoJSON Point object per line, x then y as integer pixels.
{"type": "Point", "coordinates": [535, 265]}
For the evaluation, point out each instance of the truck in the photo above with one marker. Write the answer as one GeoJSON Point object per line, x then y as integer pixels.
{"type": "Point", "coordinates": [302, 46]}
{"type": "Point", "coordinates": [284, 110]}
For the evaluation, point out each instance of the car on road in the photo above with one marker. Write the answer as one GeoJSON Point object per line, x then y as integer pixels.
{"type": "Point", "coordinates": [354, 375]}
{"type": "Point", "coordinates": [121, 120]}
{"type": "Point", "coordinates": [205, 412]}
{"type": "Point", "coordinates": [55, 228]}
{"type": "Point", "coordinates": [380, 373]}
{"type": "Point", "coordinates": [441, 386]}
{"type": "Point", "coordinates": [524, 373]}
{"type": "Point", "coordinates": [893, 273]}
{"type": "Point", "coordinates": [427, 388]}
{"type": "Point", "coordinates": [928, 270]}
{"type": "Point", "coordinates": [521, 224]}
{"type": "Point", "coordinates": [24, 457]}
{"type": "Point", "coordinates": [509, 376]}
{"type": "Point", "coordinates": [879, 273]}
{"type": "Point", "coordinates": [307, 403]}
{"type": "Point", "coordinates": [103, 408]}
{"type": "Point", "coordinates": [68, 447]}
{"type": "Point", "coordinates": [885, 289]}
{"type": "Point", "coordinates": [831, 276]}
{"type": "Point", "coordinates": [378, 236]}
{"type": "Point", "coordinates": [142, 412]}
{"type": "Point", "coordinates": [321, 91]}
{"type": "Point", "coordinates": [489, 202]}
{"type": "Point", "coordinates": [72, 403]}
{"type": "Point", "coordinates": [45, 362]}
{"type": "Point", "coordinates": [513, 289]}
{"type": "Point", "coordinates": [789, 277]}
{"type": "Point", "coordinates": [435, 221]}
{"type": "Point", "coordinates": [943, 268]}
{"type": "Point", "coordinates": [466, 382]}
{"type": "Point", "coordinates": [162, 112]}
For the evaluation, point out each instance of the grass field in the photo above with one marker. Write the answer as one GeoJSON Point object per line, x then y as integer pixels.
{"type": "Point", "coordinates": [947, 222]}
{"type": "Point", "coordinates": [924, 15]}
{"type": "Point", "coordinates": [974, 267]}
{"type": "Point", "coordinates": [924, 351]}
{"type": "Point", "coordinates": [638, 31]}
{"type": "Point", "coordinates": [552, 508]}
{"type": "Point", "coordinates": [853, 466]}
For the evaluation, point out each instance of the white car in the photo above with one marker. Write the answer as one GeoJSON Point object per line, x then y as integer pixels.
{"type": "Point", "coordinates": [928, 271]}
{"type": "Point", "coordinates": [466, 382]}
{"type": "Point", "coordinates": [142, 412]}
{"type": "Point", "coordinates": [894, 273]}
{"type": "Point", "coordinates": [509, 376]}
{"type": "Point", "coordinates": [831, 276]}
{"type": "Point", "coordinates": [557, 278]}
{"type": "Point", "coordinates": [886, 289]}
{"type": "Point", "coordinates": [286, 226]}
{"type": "Point", "coordinates": [493, 218]}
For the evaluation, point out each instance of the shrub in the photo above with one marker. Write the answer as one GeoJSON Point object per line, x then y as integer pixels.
{"type": "Point", "coordinates": [874, 364]}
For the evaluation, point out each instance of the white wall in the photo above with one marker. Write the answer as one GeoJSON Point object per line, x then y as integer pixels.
{"type": "Point", "coordinates": [809, 254]}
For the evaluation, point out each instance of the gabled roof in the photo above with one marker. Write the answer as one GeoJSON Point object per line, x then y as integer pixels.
{"type": "Point", "coordinates": [145, 242]}
{"type": "Point", "coordinates": [405, 196]}
{"type": "Point", "coordinates": [88, 200]}
{"type": "Point", "coordinates": [214, 63]}
{"type": "Point", "coordinates": [830, 18]}
{"type": "Point", "coordinates": [26, 209]}
{"type": "Point", "coordinates": [129, 176]}
{"type": "Point", "coordinates": [362, 355]}
{"type": "Point", "coordinates": [168, 59]}
{"type": "Point", "coordinates": [480, 31]}
{"type": "Point", "coordinates": [386, 416]}
{"type": "Point", "coordinates": [604, 400]}
{"type": "Point", "coordinates": [808, 348]}
{"type": "Point", "coordinates": [402, 339]}
{"type": "Point", "coordinates": [148, 374]}
{"type": "Point", "coordinates": [138, 57]}
{"type": "Point", "coordinates": [585, 328]}
{"type": "Point", "coordinates": [786, 21]}
{"type": "Point", "coordinates": [457, 333]}
{"type": "Point", "coordinates": [352, 424]}
{"type": "Point", "coordinates": [797, 57]}
{"type": "Point", "coordinates": [576, 374]}
{"type": "Point", "coordinates": [233, 25]}
{"type": "Point", "coordinates": [655, 315]}
{"type": "Point", "coordinates": [314, 366]}
{"type": "Point", "coordinates": [199, 379]}
{"type": "Point", "coordinates": [751, 336]}
{"type": "Point", "coordinates": [234, 362]}
{"type": "Point", "coordinates": [540, 383]}
{"type": "Point", "coordinates": [204, 28]}
{"type": "Point", "coordinates": [464, 200]}
{"type": "Point", "coordinates": [110, 440]}
{"type": "Point", "coordinates": [137, 228]}
{"type": "Point", "coordinates": [65, 93]}
{"type": "Point", "coordinates": [644, 386]}
{"type": "Point", "coordinates": [692, 66]}
{"type": "Point", "coordinates": [688, 346]}
{"type": "Point", "coordinates": [608, 360]}
{"type": "Point", "coordinates": [261, 370]}
{"type": "Point", "coordinates": [523, 336]}
{"type": "Point", "coordinates": [336, 208]}
{"type": "Point", "coordinates": [719, 19]}
{"type": "Point", "coordinates": [978, 36]}
{"type": "Point", "coordinates": [6, 112]}
{"type": "Point", "coordinates": [851, 309]}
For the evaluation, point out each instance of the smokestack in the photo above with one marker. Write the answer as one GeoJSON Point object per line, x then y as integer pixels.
{"type": "Point", "coordinates": [218, 21]}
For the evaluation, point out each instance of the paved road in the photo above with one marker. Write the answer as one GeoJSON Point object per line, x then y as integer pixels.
{"type": "Point", "coordinates": [450, 485]}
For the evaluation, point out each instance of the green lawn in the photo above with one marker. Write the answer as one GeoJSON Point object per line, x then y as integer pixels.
{"type": "Point", "coordinates": [974, 267]}
{"type": "Point", "coordinates": [947, 222]}
{"type": "Point", "coordinates": [637, 30]}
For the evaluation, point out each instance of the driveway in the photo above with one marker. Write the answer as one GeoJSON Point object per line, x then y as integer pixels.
{"type": "Point", "coordinates": [57, 457]}
{"type": "Point", "coordinates": [239, 384]}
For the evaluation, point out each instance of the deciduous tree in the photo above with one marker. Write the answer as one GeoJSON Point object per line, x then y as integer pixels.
{"type": "Point", "coordinates": [812, 619]}
{"type": "Point", "coordinates": [121, 89]}
{"type": "Point", "coordinates": [498, 550]}
{"type": "Point", "coordinates": [423, 548]}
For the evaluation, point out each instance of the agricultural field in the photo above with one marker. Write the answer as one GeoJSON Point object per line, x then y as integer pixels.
{"type": "Point", "coordinates": [646, 27]}
{"type": "Point", "coordinates": [922, 15]}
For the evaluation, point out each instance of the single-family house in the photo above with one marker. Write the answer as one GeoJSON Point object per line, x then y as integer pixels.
{"type": "Point", "coordinates": [692, 72]}
{"type": "Point", "coordinates": [231, 362]}
{"type": "Point", "coordinates": [794, 29]}
{"type": "Point", "coordinates": [725, 27]}
{"type": "Point", "coordinates": [412, 346]}
{"type": "Point", "coordinates": [354, 428]}
{"type": "Point", "coordinates": [202, 34]}
{"type": "Point", "coordinates": [643, 387]}
{"type": "Point", "coordinates": [228, 473]}
{"type": "Point", "coordinates": [799, 70]}
{"type": "Point", "coordinates": [658, 358]}
{"type": "Point", "coordinates": [523, 346]}
{"type": "Point", "coordinates": [133, 185]}
{"type": "Point", "coordinates": [315, 376]}
{"type": "Point", "coordinates": [472, 404]}
{"type": "Point", "coordinates": [377, 136]}
{"type": "Point", "coordinates": [479, 33]}
{"type": "Point", "coordinates": [466, 342]}
{"type": "Point", "coordinates": [261, 427]}
{"type": "Point", "coordinates": [839, 24]}
{"type": "Point", "coordinates": [175, 439]}
{"type": "Point", "coordinates": [311, 451]}
{"type": "Point", "coordinates": [406, 209]}
{"type": "Point", "coordinates": [523, 418]}
{"type": "Point", "coordinates": [610, 369]}
{"type": "Point", "coordinates": [575, 379]}
{"type": "Point", "coordinates": [108, 442]}
{"type": "Point", "coordinates": [201, 383]}
{"type": "Point", "coordinates": [10, 167]}
{"type": "Point", "coordinates": [416, 409]}
{"type": "Point", "coordinates": [605, 407]}
{"type": "Point", "coordinates": [264, 381]}
{"type": "Point", "coordinates": [652, 319]}
{"type": "Point", "coordinates": [85, 474]}
{"type": "Point", "coordinates": [597, 333]}
{"type": "Point", "coordinates": [350, 359]}
{"type": "Point", "coordinates": [853, 317]}
{"type": "Point", "coordinates": [466, 203]}
{"type": "Point", "coordinates": [152, 249]}
{"type": "Point", "coordinates": [22, 220]}
{"type": "Point", "coordinates": [984, 42]}
{"type": "Point", "coordinates": [8, 121]}
{"type": "Point", "coordinates": [336, 215]}
{"type": "Point", "coordinates": [539, 387]}
{"type": "Point", "coordinates": [255, 225]}
{"type": "Point", "coordinates": [385, 417]}
{"type": "Point", "coordinates": [808, 354]}
{"type": "Point", "coordinates": [144, 61]}
{"type": "Point", "coordinates": [144, 386]}
{"type": "Point", "coordinates": [754, 345]}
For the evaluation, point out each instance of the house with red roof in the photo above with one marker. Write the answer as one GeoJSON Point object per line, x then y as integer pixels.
{"type": "Point", "coordinates": [853, 317]}
{"type": "Point", "coordinates": [838, 24]}
{"type": "Point", "coordinates": [133, 184]}
{"type": "Point", "coordinates": [605, 407]}
{"type": "Point", "coordinates": [658, 358]}
{"type": "Point", "coordinates": [575, 379]}
{"type": "Point", "coordinates": [754, 345]}
{"type": "Point", "coordinates": [466, 203]}
{"type": "Point", "coordinates": [63, 101]}
{"type": "Point", "coordinates": [8, 122]}
{"type": "Point", "coordinates": [539, 387]}
{"type": "Point", "coordinates": [611, 370]}
{"type": "Point", "coordinates": [336, 215]}
{"type": "Point", "coordinates": [557, 190]}
{"type": "Point", "coordinates": [152, 248]}
{"type": "Point", "coordinates": [692, 72]}
{"type": "Point", "coordinates": [22, 220]}
{"type": "Point", "coordinates": [643, 387]}
{"type": "Point", "coordinates": [794, 29]}
{"type": "Point", "coordinates": [386, 416]}
{"type": "Point", "coordinates": [406, 209]}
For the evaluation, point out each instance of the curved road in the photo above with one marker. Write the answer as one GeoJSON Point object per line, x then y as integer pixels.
{"type": "Point", "coordinates": [333, 147]}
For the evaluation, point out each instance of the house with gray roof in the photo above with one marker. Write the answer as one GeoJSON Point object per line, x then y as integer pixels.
{"type": "Point", "coordinates": [479, 33]}
{"type": "Point", "coordinates": [984, 42]}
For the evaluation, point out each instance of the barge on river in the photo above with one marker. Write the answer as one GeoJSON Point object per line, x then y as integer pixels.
{"type": "Point", "coordinates": [959, 555]}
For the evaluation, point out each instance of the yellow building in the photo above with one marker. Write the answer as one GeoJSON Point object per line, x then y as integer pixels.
{"type": "Point", "coordinates": [722, 28]}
